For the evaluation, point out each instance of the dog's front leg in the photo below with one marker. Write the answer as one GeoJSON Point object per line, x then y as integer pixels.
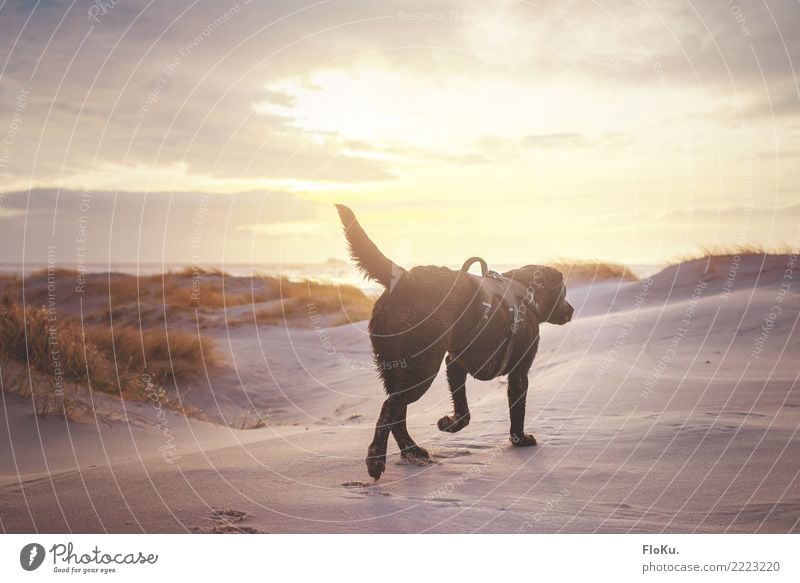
{"type": "Point", "coordinates": [517, 394]}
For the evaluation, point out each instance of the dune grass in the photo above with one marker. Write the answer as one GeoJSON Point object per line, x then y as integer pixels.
{"type": "Point", "coordinates": [343, 303]}
{"type": "Point", "coordinates": [120, 288]}
{"type": "Point", "coordinates": [726, 251]}
{"type": "Point", "coordinates": [168, 356]}
{"type": "Point", "coordinates": [575, 270]}
{"type": "Point", "coordinates": [121, 328]}
{"type": "Point", "coordinates": [57, 272]}
{"type": "Point", "coordinates": [207, 297]}
{"type": "Point", "coordinates": [190, 271]}
{"type": "Point", "coordinates": [196, 288]}
{"type": "Point", "coordinates": [102, 358]}
{"type": "Point", "coordinates": [27, 335]}
{"type": "Point", "coordinates": [288, 298]}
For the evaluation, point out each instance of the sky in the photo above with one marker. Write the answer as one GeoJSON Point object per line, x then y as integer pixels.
{"type": "Point", "coordinates": [223, 132]}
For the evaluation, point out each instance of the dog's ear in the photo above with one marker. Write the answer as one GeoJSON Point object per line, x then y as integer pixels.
{"type": "Point", "coordinates": [545, 277]}
{"type": "Point", "coordinates": [538, 277]}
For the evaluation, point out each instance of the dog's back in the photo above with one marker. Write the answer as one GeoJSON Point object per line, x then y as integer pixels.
{"type": "Point", "coordinates": [415, 316]}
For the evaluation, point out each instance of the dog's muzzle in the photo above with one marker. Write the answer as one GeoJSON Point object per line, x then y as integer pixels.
{"type": "Point", "coordinates": [564, 315]}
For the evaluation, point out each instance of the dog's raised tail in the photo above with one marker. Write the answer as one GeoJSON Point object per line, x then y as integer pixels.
{"type": "Point", "coordinates": [369, 259]}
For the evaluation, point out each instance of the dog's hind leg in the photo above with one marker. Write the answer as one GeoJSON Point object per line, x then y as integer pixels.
{"type": "Point", "coordinates": [376, 454]}
{"type": "Point", "coordinates": [404, 386]}
{"type": "Point", "coordinates": [408, 447]}
{"type": "Point", "coordinates": [456, 379]}
{"type": "Point", "coordinates": [416, 380]}
{"type": "Point", "coordinates": [393, 415]}
{"type": "Point", "coordinates": [517, 394]}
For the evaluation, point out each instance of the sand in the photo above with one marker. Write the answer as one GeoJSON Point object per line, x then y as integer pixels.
{"type": "Point", "coordinates": [670, 405]}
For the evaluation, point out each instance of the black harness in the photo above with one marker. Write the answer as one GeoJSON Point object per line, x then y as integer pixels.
{"type": "Point", "coordinates": [503, 295]}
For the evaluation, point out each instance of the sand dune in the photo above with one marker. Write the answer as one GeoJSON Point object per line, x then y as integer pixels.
{"type": "Point", "coordinates": [667, 405]}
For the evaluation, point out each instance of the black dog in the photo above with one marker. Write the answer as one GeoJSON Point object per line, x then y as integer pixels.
{"type": "Point", "coordinates": [485, 326]}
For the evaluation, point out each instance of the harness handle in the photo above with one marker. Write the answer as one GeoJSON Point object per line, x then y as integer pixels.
{"type": "Point", "coordinates": [468, 263]}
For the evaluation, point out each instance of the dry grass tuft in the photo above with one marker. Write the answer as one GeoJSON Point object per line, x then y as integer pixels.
{"type": "Point", "coordinates": [726, 251]}
{"type": "Point", "coordinates": [117, 288]}
{"type": "Point", "coordinates": [249, 420]}
{"type": "Point", "coordinates": [58, 272]}
{"type": "Point", "coordinates": [190, 272]}
{"type": "Point", "coordinates": [168, 356]}
{"type": "Point", "coordinates": [592, 271]}
{"type": "Point", "coordinates": [346, 303]}
{"type": "Point", "coordinates": [28, 336]}
{"type": "Point", "coordinates": [99, 357]}
{"type": "Point", "coordinates": [207, 296]}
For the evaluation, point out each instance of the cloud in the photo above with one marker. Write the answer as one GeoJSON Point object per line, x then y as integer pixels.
{"type": "Point", "coordinates": [160, 84]}
{"type": "Point", "coordinates": [741, 213]}
{"type": "Point", "coordinates": [504, 148]}
{"type": "Point", "coordinates": [781, 103]}
{"type": "Point", "coordinates": [166, 83]}
{"type": "Point", "coordinates": [136, 227]}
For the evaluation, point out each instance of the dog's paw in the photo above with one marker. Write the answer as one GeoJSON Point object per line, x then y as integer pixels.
{"type": "Point", "coordinates": [453, 424]}
{"type": "Point", "coordinates": [375, 468]}
{"type": "Point", "coordinates": [526, 440]}
{"type": "Point", "coordinates": [376, 464]}
{"type": "Point", "coordinates": [415, 454]}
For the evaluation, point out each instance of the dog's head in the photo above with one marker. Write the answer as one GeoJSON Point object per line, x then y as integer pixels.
{"type": "Point", "coordinates": [550, 291]}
